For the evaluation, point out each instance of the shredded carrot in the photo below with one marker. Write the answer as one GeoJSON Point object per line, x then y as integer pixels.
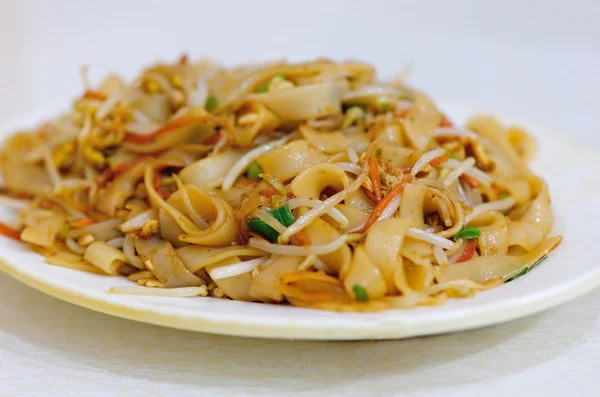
{"type": "Point", "coordinates": [83, 223]}
{"type": "Point", "coordinates": [375, 178]}
{"type": "Point", "coordinates": [468, 252]}
{"type": "Point", "coordinates": [445, 122]}
{"type": "Point", "coordinates": [436, 162]}
{"type": "Point", "coordinates": [213, 139]}
{"type": "Point", "coordinates": [46, 204]}
{"type": "Point", "coordinates": [300, 238]}
{"type": "Point", "coordinates": [164, 192]}
{"type": "Point", "coordinates": [270, 191]}
{"type": "Point", "coordinates": [110, 174]}
{"type": "Point", "coordinates": [370, 194]}
{"type": "Point", "coordinates": [180, 122]}
{"type": "Point", "coordinates": [10, 232]}
{"type": "Point", "coordinates": [378, 210]}
{"type": "Point", "coordinates": [470, 180]}
{"type": "Point", "coordinates": [90, 94]}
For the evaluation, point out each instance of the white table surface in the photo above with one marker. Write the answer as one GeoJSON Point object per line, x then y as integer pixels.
{"type": "Point", "coordinates": [539, 60]}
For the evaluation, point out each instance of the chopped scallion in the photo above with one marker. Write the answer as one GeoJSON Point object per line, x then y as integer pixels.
{"type": "Point", "coordinates": [211, 103]}
{"type": "Point", "coordinates": [254, 170]}
{"type": "Point", "coordinates": [527, 269]}
{"type": "Point", "coordinates": [468, 233]}
{"type": "Point", "coordinates": [282, 214]}
{"type": "Point", "coordinates": [360, 293]}
{"type": "Point", "coordinates": [259, 227]}
{"type": "Point", "coordinates": [265, 86]}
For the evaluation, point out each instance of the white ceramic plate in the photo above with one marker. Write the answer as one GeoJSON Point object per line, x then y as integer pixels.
{"type": "Point", "coordinates": [570, 271]}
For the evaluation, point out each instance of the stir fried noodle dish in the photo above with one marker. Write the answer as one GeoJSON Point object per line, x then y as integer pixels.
{"type": "Point", "coordinates": [314, 184]}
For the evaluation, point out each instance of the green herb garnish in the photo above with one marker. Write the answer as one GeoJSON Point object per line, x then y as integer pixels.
{"type": "Point", "coordinates": [265, 86]}
{"type": "Point", "coordinates": [259, 227]}
{"type": "Point", "coordinates": [503, 197]}
{"type": "Point", "coordinates": [468, 233]}
{"type": "Point", "coordinates": [254, 170]}
{"type": "Point", "coordinates": [360, 293]}
{"type": "Point", "coordinates": [521, 273]}
{"type": "Point", "coordinates": [527, 269]}
{"type": "Point", "coordinates": [282, 214]}
{"type": "Point", "coordinates": [211, 103]}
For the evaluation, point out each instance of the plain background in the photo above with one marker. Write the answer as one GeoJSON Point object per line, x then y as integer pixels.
{"type": "Point", "coordinates": [538, 60]}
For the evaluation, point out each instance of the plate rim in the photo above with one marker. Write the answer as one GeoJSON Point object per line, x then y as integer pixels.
{"type": "Point", "coordinates": [500, 312]}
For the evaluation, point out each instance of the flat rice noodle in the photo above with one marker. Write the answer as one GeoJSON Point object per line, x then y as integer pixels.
{"type": "Point", "coordinates": [113, 197]}
{"type": "Point", "coordinates": [223, 227]}
{"type": "Point", "coordinates": [411, 206]}
{"type": "Point", "coordinates": [519, 188]}
{"type": "Point", "coordinates": [304, 102]}
{"type": "Point", "coordinates": [421, 121]}
{"type": "Point", "coordinates": [418, 278]}
{"type": "Point", "coordinates": [506, 160]}
{"type": "Point", "coordinates": [327, 142]}
{"type": "Point", "coordinates": [18, 174]}
{"type": "Point", "coordinates": [420, 254]}
{"type": "Point", "coordinates": [320, 232]}
{"type": "Point", "coordinates": [399, 156]}
{"type": "Point", "coordinates": [232, 92]}
{"type": "Point", "coordinates": [522, 142]}
{"type": "Point", "coordinates": [312, 287]}
{"type": "Point", "coordinates": [356, 217]}
{"type": "Point", "coordinates": [197, 131]}
{"type": "Point", "coordinates": [109, 259]}
{"type": "Point", "coordinates": [484, 268]}
{"type": "Point", "coordinates": [210, 172]}
{"type": "Point", "coordinates": [265, 287]}
{"type": "Point", "coordinates": [362, 271]}
{"type": "Point", "coordinates": [359, 140]}
{"type": "Point", "coordinates": [155, 106]}
{"type": "Point", "coordinates": [538, 212]}
{"type": "Point", "coordinates": [235, 287]}
{"type": "Point", "coordinates": [494, 233]}
{"type": "Point", "coordinates": [42, 226]}
{"type": "Point", "coordinates": [384, 133]}
{"type": "Point", "coordinates": [169, 229]}
{"type": "Point", "coordinates": [285, 162]}
{"type": "Point", "coordinates": [383, 246]}
{"type": "Point", "coordinates": [60, 255]}
{"type": "Point", "coordinates": [266, 121]}
{"type": "Point", "coordinates": [196, 257]}
{"type": "Point", "coordinates": [311, 182]}
{"type": "Point", "coordinates": [360, 201]}
{"type": "Point", "coordinates": [165, 264]}
{"type": "Point", "coordinates": [524, 235]}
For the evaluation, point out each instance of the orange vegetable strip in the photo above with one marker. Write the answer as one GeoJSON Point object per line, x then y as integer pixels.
{"type": "Point", "coordinates": [375, 178]}
{"type": "Point", "coordinates": [90, 94]}
{"type": "Point", "coordinates": [300, 238]}
{"type": "Point", "coordinates": [174, 124]}
{"type": "Point", "coordinates": [468, 252]}
{"type": "Point", "coordinates": [83, 222]}
{"type": "Point", "coordinates": [470, 180]}
{"type": "Point", "coordinates": [378, 210]}
{"type": "Point", "coordinates": [9, 232]}
{"type": "Point", "coordinates": [439, 160]}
